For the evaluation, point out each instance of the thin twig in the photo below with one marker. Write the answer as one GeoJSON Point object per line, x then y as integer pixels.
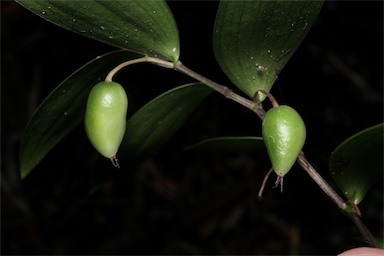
{"type": "Point", "coordinates": [321, 182]}
{"type": "Point", "coordinates": [160, 62]}
{"type": "Point", "coordinates": [260, 195]}
{"type": "Point", "coordinates": [368, 237]}
{"type": "Point", "coordinates": [225, 91]}
{"type": "Point", "coordinates": [257, 108]}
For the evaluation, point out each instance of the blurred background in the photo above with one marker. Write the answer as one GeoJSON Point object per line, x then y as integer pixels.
{"type": "Point", "coordinates": [185, 202]}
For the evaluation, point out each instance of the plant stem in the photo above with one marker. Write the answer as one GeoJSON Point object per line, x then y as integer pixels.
{"type": "Point", "coordinates": [157, 61]}
{"type": "Point", "coordinates": [368, 237]}
{"type": "Point", "coordinates": [225, 91]}
{"type": "Point", "coordinates": [320, 181]}
{"type": "Point", "coordinates": [269, 95]}
{"type": "Point", "coordinates": [257, 108]}
{"type": "Point", "coordinates": [260, 195]}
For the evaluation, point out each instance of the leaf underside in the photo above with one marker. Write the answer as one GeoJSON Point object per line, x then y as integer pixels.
{"type": "Point", "coordinates": [145, 27]}
{"type": "Point", "coordinates": [253, 40]}
{"type": "Point", "coordinates": [244, 144]}
{"type": "Point", "coordinates": [357, 163]}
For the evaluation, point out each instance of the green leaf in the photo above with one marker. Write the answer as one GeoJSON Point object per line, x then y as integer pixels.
{"type": "Point", "coordinates": [253, 40]}
{"type": "Point", "coordinates": [357, 163]}
{"type": "Point", "coordinates": [155, 123]}
{"type": "Point", "coordinates": [230, 145]}
{"type": "Point", "coordinates": [63, 109]}
{"type": "Point", "coordinates": [151, 127]}
{"type": "Point", "coordinates": [142, 26]}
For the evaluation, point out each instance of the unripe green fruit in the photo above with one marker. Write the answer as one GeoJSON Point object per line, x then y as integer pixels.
{"type": "Point", "coordinates": [284, 136]}
{"type": "Point", "coordinates": [105, 118]}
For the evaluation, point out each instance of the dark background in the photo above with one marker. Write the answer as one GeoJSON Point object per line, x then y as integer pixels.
{"type": "Point", "coordinates": [188, 202]}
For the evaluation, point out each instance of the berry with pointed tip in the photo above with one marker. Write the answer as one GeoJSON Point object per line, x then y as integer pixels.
{"type": "Point", "coordinates": [105, 118]}
{"type": "Point", "coordinates": [284, 135]}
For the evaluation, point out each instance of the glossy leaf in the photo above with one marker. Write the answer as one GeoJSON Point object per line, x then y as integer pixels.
{"type": "Point", "coordinates": [230, 145]}
{"type": "Point", "coordinates": [253, 40]}
{"type": "Point", "coordinates": [63, 109]}
{"type": "Point", "coordinates": [357, 163]}
{"type": "Point", "coordinates": [151, 127]}
{"type": "Point", "coordinates": [146, 27]}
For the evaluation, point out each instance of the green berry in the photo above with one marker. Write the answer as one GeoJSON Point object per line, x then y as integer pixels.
{"type": "Point", "coordinates": [105, 118]}
{"type": "Point", "coordinates": [284, 135]}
